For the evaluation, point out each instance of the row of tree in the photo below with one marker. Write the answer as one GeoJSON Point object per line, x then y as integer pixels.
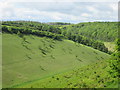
{"type": "Point", "coordinates": [26, 31]}
{"type": "Point", "coordinates": [34, 26]}
{"type": "Point", "coordinates": [89, 42]}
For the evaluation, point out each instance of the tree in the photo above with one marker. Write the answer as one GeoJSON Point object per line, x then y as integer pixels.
{"type": "Point", "coordinates": [115, 61]}
{"type": "Point", "coordinates": [5, 29]}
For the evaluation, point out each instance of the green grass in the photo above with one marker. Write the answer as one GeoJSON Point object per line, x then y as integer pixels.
{"type": "Point", "coordinates": [91, 76]}
{"type": "Point", "coordinates": [0, 60]}
{"type": "Point", "coordinates": [33, 58]}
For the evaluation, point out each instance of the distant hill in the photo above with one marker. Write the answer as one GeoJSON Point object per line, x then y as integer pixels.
{"type": "Point", "coordinates": [57, 23]}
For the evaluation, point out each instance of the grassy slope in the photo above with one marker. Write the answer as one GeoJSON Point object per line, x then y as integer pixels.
{"type": "Point", "coordinates": [91, 76]}
{"type": "Point", "coordinates": [33, 58]}
{"type": "Point", "coordinates": [0, 60]}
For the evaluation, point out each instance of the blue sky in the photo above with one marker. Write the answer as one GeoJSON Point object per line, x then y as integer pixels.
{"type": "Point", "coordinates": [73, 11]}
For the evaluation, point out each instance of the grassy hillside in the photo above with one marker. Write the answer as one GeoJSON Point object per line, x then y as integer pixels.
{"type": "Point", "coordinates": [0, 60]}
{"type": "Point", "coordinates": [31, 58]}
{"type": "Point", "coordinates": [91, 76]}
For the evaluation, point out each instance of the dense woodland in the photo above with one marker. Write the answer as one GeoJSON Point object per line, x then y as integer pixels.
{"type": "Point", "coordinates": [96, 32]}
{"type": "Point", "coordinates": [105, 31]}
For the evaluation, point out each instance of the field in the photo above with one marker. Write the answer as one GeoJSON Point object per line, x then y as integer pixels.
{"type": "Point", "coordinates": [34, 59]}
{"type": "Point", "coordinates": [110, 46]}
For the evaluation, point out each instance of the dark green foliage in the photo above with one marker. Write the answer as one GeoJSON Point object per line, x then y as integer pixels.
{"type": "Point", "coordinates": [33, 26]}
{"type": "Point", "coordinates": [27, 31]}
{"type": "Point", "coordinates": [6, 29]}
{"type": "Point", "coordinates": [115, 61]}
{"type": "Point", "coordinates": [89, 42]}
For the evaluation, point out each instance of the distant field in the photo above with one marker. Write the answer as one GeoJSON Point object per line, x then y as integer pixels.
{"type": "Point", "coordinates": [32, 58]}
{"type": "Point", "coordinates": [110, 46]}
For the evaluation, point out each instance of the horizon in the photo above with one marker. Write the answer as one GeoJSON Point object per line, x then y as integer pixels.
{"type": "Point", "coordinates": [57, 21]}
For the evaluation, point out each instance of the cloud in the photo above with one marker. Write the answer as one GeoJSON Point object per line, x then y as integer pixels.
{"type": "Point", "coordinates": [85, 15]}
{"type": "Point", "coordinates": [60, 0]}
{"type": "Point", "coordinates": [6, 9]}
{"type": "Point", "coordinates": [72, 11]}
{"type": "Point", "coordinates": [114, 7]}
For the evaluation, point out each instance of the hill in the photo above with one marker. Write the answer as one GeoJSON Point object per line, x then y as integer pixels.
{"type": "Point", "coordinates": [29, 58]}
{"type": "Point", "coordinates": [103, 31]}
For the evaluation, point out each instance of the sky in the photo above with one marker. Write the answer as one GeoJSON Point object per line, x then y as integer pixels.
{"type": "Point", "coordinates": [71, 11]}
